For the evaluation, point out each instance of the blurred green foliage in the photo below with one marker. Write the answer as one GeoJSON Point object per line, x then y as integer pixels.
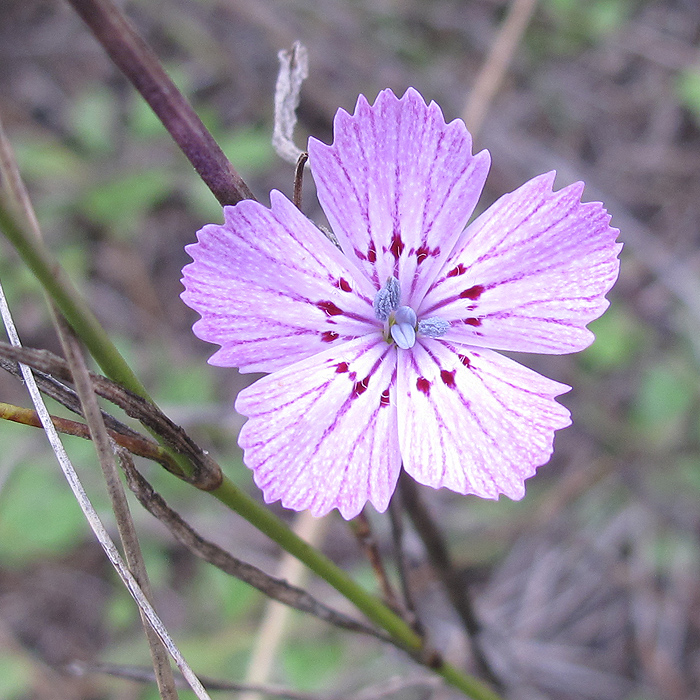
{"type": "Point", "coordinates": [619, 339]}
{"type": "Point", "coordinates": [574, 24]}
{"type": "Point", "coordinates": [15, 675]}
{"type": "Point", "coordinates": [688, 91]}
{"type": "Point", "coordinates": [38, 514]}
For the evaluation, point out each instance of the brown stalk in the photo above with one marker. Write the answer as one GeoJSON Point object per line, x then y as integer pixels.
{"type": "Point", "coordinates": [142, 67]}
{"type": "Point", "coordinates": [207, 475]}
{"type": "Point", "coordinates": [99, 434]}
{"type": "Point", "coordinates": [363, 532]}
{"type": "Point", "coordinates": [274, 588]}
{"type": "Point", "coordinates": [494, 68]}
{"type": "Point", "coordinates": [139, 445]}
{"type": "Point", "coordinates": [440, 559]}
{"type": "Point", "coordinates": [120, 506]}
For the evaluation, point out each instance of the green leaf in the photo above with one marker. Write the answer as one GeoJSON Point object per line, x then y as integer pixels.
{"type": "Point", "coordinates": [41, 158]}
{"type": "Point", "coordinates": [249, 149]}
{"type": "Point", "coordinates": [120, 203]}
{"type": "Point", "coordinates": [688, 90]}
{"type": "Point", "coordinates": [15, 673]}
{"type": "Point", "coordinates": [38, 514]}
{"type": "Point", "coordinates": [93, 118]}
{"type": "Point", "coordinates": [190, 385]}
{"type": "Point", "coordinates": [619, 337]}
{"type": "Point", "coordinates": [308, 663]}
{"type": "Point", "coordinates": [665, 395]}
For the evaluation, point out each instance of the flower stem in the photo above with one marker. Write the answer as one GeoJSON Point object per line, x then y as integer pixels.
{"type": "Point", "coordinates": [141, 66]}
{"type": "Point", "coordinates": [67, 298]}
{"type": "Point", "coordinates": [268, 523]}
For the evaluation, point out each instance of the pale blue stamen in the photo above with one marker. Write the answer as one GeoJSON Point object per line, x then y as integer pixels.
{"type": "Point", "coordinates": [433, 327]}
{"type": "Point", "coordinates": [387, 299]}
{"type": "Point", "coordinates": [403, 330]}
{"type": "Point", "coordinates": [403, 322]}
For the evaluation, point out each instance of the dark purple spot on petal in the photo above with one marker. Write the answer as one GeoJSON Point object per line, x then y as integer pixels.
{"type": "Point", "coordinates": [361, 386]}
{"type": "Point", "coordinates": [396, 246]}
{"type": "Point", "coordinates": [422, 253]}
{"type": "Point", "coordinates": [384, 400]}
{"type": "Point", "coordinates": [360, 254]}
{"type": "Point", "coordinates": [344, 285]}
{"type": "Point", "coordinates": [464, 360]}
{"type": "Point", "coordinates": [372, 253]}
{"type": "Point", "coordinates": [329, 336]}
{"type": "Point", "coordinates": [342, 367]}
{"type": "Point", "coordinates": [423, 385]}
{"type": "Point", "coordinates": [473, 292]}
{"type": "Point", "coordinates": [448, 377]}
{"type": "Point", "coordinates": [352, 376]}
{"type": "Point", "coordinates": [459, 270]}
{"type": "Point", "coordinates": [472, 321]}
{"type": "Point", "coordinates": [330, 308]}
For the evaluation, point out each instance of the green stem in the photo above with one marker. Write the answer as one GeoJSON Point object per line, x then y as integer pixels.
{"type": "Point", "coordinates": [268, 523]}
{"type": "Point", "coordinates": [88, 328]}
{"type": "Point", "coordinates": [68, 299]}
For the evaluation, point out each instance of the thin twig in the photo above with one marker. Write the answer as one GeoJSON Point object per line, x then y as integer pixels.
{"type": "Point", "coordinates": [138, 444]}
{"type": "Point", "coordinates": [140, 674]}
{"type": "Point", "coordinates": [275, 588]}
{"type": "Point", "coordinates": [440, 560]}
{"type": "Point", "coordinates": [94, 520]}
{"type": "Point", "coordinates": [65, 395]}
{"type": "Point", "coordinates": [141, 66]}
{"type": "Point", "coordinates": [390, 687]}
{"type": "Point", "coordinates": [365, 537]}
{"type": "Point", "coordinates": [397, 532]}
{"type": "Point", "coordinates": [496, 64]}
{"type": "Point", "coordinates": [120, 506]}
{"type": "Point", "coordinates": [207, 474]}
{"type": "Point", "coordinates": [299, 178]}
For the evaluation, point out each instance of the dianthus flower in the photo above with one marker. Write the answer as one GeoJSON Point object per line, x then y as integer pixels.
{"type": "Point", "coordinates": [380, 352]}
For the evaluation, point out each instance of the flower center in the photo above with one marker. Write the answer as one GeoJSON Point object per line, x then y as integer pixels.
{"type": "Point", "coordinates": [401, 322]}
{"type": "Point", "coordinates": [403, 325]}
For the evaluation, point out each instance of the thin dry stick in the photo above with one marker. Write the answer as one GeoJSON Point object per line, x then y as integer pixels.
{"type": "Point", "coordinates": [120, 506]}
{"type": "Point", "coordinates": [93, 519]}
{"type": "Point", "coordinates": [496, 64]}
{"type": "Point", "coordinates": [207, 473]}
{"type": "Point", "coordinates": [14, 186]}
{"type": "Point", "coordinates": [397, 532]}
{"type": "Point", "coordinates": [138, 445]}
{"type": "Point", "coordinates": [390, 687]}
{"type": "Point", "coordinates": [276, 616]}
{"type": "Point", "coordinates": [274, 588]}
{"type": "Point", "coordinates": [141, 66]}
{"type": "Point", "coordinates": [363, 532]}
{"type": "Point", "coordinates": [441, 562]}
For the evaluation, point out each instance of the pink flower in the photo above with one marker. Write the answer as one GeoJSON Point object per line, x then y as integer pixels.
{"type": "Point", "coordinates": [381, 353]}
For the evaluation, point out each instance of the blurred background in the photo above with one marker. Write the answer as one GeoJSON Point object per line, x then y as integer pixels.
{"type": "Point", "coordinates": [589, 587]}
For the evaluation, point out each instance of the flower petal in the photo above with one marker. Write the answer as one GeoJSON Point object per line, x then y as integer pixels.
{"type": "Point", "coordinates": [272, 289]}
{"type": "Point", "coordinates": [398, 186]}
{"type": "Point", "coordinates": [322, 433]}
{"type": "Point", "coordinates": [474, 421]}
{"type": "Point", "coordinates": [530, 272]}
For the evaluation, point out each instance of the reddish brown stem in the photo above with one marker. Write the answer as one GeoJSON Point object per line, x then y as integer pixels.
{"type": "Point", "coordinates": [141, 66]}
{"type": "Point", "coordinates": [137, 445]}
